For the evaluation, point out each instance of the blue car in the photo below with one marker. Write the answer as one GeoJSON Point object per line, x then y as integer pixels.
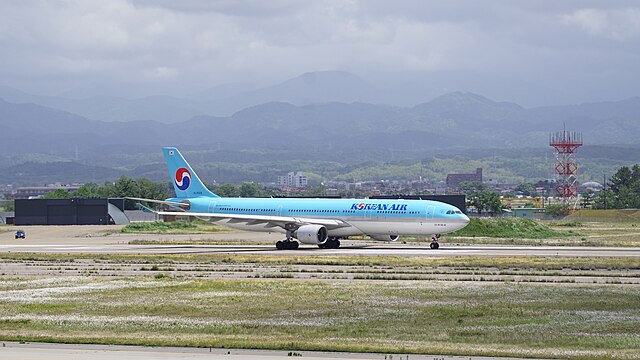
{"type": "Point", "coordinates": [20, 234]}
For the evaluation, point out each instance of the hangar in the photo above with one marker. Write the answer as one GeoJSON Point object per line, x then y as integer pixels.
{"type": "Point", "coordinates": [69, 212]}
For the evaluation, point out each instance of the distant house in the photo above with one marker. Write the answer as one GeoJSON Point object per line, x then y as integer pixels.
{"type": "Point", "coordinates": [292, 180]}
{"type": "Point", "coordinates": [454, 180]}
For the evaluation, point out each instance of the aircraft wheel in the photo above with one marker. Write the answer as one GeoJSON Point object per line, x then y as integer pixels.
{"type": "Point", "coordinates": [294, 245]}
{"type": "Point", "coordinates": [330, 244]}
{"type": "Point", "coordinates": [434, 245]}
{"type": "Point", "coordinates": [280, 245]}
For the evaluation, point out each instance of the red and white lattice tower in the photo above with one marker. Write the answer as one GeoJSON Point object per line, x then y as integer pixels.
{"type": "Point", "coordinates": [566, 144]}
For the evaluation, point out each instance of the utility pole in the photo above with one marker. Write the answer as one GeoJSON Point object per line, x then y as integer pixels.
{"type": "Point", "coordinates": [604, 189]}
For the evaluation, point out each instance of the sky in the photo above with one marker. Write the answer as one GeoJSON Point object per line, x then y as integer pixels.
{"type": "Point", "coordinates": [532, 52]}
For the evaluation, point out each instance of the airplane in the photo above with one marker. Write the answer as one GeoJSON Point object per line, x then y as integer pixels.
{"type": "Point", "coordinates": [321, 222]}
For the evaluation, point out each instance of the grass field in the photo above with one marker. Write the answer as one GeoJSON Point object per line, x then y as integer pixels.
{"type": "Point", "coordinates": [598, 270]}
{"type": "Point", "coordinates": [401, 317]}
{"type": "Point", "coordinates": [571, 231]}
{"type": "Point", "coordinates": [612, 215]}
{"type": "Point", "coordinates": [541, 263]}
{"type": "Point", "coordinates": [543, 307]}
{"type": "Point", "coordinates": [177, 227]}
{"type": "Point", "coordinates": [509, 227]}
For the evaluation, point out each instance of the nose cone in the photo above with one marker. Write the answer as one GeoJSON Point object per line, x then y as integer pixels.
{"type": "Point", "coordinates": [466, 220]}
{"type": "Point", "coordinates": [463, 220]}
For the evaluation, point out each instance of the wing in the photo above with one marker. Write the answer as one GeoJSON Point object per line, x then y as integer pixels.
{"type": "Point", "coordinates": [178, 205]}
{"type": "Point", "coordinates": [285, 222]}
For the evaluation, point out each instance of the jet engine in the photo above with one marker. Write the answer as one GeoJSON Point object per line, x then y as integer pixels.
{"type": "Point", "coordinates": [384, 237]}
{"type": "Point", "coordinates": [311, 234]}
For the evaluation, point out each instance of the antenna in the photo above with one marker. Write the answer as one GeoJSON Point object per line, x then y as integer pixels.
{"type": "Point", "coordinates": [566, 144]}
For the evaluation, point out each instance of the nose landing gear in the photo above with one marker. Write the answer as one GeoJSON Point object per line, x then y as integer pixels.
{"type": "Point", "coordinates": [331, 243]}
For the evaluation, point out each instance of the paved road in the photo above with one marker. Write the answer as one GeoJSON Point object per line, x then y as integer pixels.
{"type": "Point", "coordinates": [105, 239]}
{"type": "Point", "coordinates": [39, 351]}
{"type": "Point", "coordinates": [350, 248]}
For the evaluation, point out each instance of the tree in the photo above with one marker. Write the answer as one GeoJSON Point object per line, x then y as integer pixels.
{"type": "Point", "coordinates": [527, 189]}
{"type": "Point", "coordinates": [481, 197]}
{"type": "Point", "coordinates": [151, 190]}
{"type": "Point", "coordinates": [272, 192]}
{"type": "Point", "coordinates": [604, 200]}
{"type": "Point", "coordinates": [623, 178]}
{"type": "Point", "coordinates": [126, 187]}
{"type": "Point", "coordinates": [226, 190]}
{"type": "Point", "coordinates": [89, 190]}
{"type": "Point", "coordinates": [107, 190]}
{"type": "Point", "coordinates": [485, 201]}
{"type": "Point", "coordinates": [624, 190]}
{"type": "Point", "coordinates": [587, 198]}
{"type": "Point", "coordinates": [58, 194]}
{"type": "Point", "coordinates": [557, 210]}
{"type": "Point", "coordinates": [9, 205]}
{"type": "Point", "coordinates": [469, 187]}
{"type": "Point", "coordinates": [250, 189]}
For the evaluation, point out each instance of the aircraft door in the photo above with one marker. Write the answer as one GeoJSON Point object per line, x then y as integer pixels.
{"type": "Point", "coordinates": [212, 206]}
{"type": "Point", "coordinates": [430, 211]}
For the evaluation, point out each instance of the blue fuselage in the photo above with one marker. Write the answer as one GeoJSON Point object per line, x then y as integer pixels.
{"type": "Point", "coordinates": [365, 216]}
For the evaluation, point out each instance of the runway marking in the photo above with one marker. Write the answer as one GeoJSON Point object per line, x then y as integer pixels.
{"type": "Point", "coordinates": [312, 250]}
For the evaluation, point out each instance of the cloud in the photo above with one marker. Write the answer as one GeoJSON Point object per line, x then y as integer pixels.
{"type": "Point", "coordinates": [616, 24]}
{"type": "Point", "coordinates": [239, 8]}
{"type": "Point", "coordinates": [166, 45]}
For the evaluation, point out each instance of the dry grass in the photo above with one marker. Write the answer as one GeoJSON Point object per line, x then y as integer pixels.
{"type": "Point", "coordinates": [409, 317]}
{"type": "Point", "coordinates": [609, 263]}
{"type": "Point", "coordinates": [177, 227]}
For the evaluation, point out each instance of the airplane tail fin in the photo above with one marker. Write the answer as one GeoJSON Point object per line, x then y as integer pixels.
{"type": "Point", "coordinates": [185, 181]}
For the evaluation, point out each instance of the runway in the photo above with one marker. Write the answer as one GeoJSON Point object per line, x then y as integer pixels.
{"type": "Point", "coordinates": [348, 249]}
{"type": "Point", "coordinates": [38, 351]}
{"type": "Point", "coordinates": [107, 240]}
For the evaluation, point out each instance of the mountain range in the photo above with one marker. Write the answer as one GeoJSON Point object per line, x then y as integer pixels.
{"type": "Point", "coordinates": [326, 116]}
{"type": "Point", "coordinates": [455, 120]}
{"type": "Point", "coordinates": [224, 100]}
{"type": "Point", "coordinates": [306, 89]}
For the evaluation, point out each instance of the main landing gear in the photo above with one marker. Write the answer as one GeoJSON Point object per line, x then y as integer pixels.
{"type": "Point", "coordinates": [287, 245]}
{"type": "Point", "coordinates": [434, 241]}
{"type": "Point", "coordinates": [331, 243]}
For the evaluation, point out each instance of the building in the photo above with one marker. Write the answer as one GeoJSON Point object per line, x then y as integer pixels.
{"type": "Point", "coordinates": [331, 192]}
{"type": "Point", "coordinates": [32, 192]}
{"type": "Point", "coordinates": [454, 180]}
{"type": "Point", "coordinates": [529, 213]}
{"type": "Point", "coordinates": [70, 212]}
{"type": "Point", "coordinates": [296, 180]}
